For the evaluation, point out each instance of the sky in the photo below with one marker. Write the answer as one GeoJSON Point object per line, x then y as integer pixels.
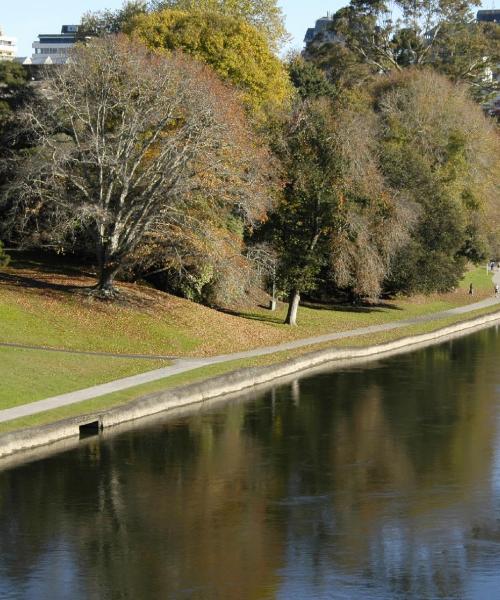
{"type": "Point", "coordinates": [25, 19]}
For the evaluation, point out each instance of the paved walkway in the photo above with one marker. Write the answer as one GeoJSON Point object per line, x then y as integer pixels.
{"type": "Point", "coordinates": [188, 364]}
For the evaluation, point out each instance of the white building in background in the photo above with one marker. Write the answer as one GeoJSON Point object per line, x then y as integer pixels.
{"type": "Point", "coordinates": [8, 46]}
{"type": "Point", "coordinates": [53, 48]}
{"type": "Point", "coordinates": [493, 75]}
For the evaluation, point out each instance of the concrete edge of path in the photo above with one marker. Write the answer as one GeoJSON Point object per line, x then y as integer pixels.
{"type": "Point", "coordinates": [25, 444]}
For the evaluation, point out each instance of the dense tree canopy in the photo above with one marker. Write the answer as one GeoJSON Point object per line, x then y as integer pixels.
{"type": "Point", "coordinates": [389, 190]}
{"type": "Point", "coordinates": [15, 91]}
{"type": "Point", "coordinates": [336, 209]}
{"type": "Point", "coordinates": [440, 153]}
{"type": "Point", "coordinates": [264, 15]}
{"type": "Point", "coordinates": [129, 144]}
{"type": "Point", "coordinates": [308, 80]}
{"type": "Point", "coordinates": [232, 47]}
{"type": "Point", "coordinates": [378, 37]}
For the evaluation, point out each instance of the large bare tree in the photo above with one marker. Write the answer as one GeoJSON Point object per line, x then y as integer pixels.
{"type": "Point", "coordinates": [128, 141]}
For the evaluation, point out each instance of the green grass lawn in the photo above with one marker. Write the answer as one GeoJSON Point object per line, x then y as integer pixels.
{"type": "Point", "coordinates": [30, 375]}
{"type": "Point", "coordinates": [481, 280]}
{"type": "Point", "coordinates": [36, 308]}
{"type": "Point", "coordinates": [317, 319]}
{"type": "Point", "coordinates": [72, 322]}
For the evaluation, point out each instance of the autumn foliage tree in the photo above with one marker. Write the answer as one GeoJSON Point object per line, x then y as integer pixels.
{"type": "Point", "coordinates": [336, 210]}
{"type": "Point", "coordinates": [264, 15]}
{"type": "Point", "coordinates": [235, 49]}
{"type": "Point", "coordinates": [130, 143]}
{"type": "Point", "coordinates": [237, 38]}
{"type": "Point", "coordinates": [441, 154]}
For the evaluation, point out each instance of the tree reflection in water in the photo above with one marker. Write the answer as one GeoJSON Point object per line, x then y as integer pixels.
{"type": "Point", "coordinates": [381, 482]}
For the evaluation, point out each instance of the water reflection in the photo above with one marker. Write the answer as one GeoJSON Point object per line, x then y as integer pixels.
{"type": "Point", "coordinates": [382, 482]}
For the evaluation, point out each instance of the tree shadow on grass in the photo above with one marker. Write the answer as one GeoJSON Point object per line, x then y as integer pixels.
{"type": "Point", "coordinates": [352, 308]}
{"type": "Point", "coordinates": [42, 284]}
{"type": "Point", "coordinates": [273, 318]}
{"type": "Point", "coordinates": [46, 273]}
{"type": "Point", "coordinates": [48, 264]}
{"type": "Point", "coordinates": [38, 283]}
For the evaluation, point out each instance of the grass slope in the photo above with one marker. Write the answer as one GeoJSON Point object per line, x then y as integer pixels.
{"type": "Point", "coordinates": [46, 305]}
{"type": "Point", "coordinates": [30, 375]}
{"type": "Point", "coordinates": [197, 375]}
{"type": "Point", "coordinates": [51, 309]}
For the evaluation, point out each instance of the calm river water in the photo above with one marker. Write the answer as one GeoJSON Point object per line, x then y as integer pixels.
{"type": "Point", "coordinates": [375, 482]}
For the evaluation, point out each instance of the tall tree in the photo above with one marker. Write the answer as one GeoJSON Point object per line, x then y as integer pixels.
{"type": "Point", "coordinates": [265, 15]}
{"type": "Point", "coordinates": [336, 210]}
{"type": "Point", "coordinates": [15, 91]}
{"type": "Point", "coordinates": [440, 153]}
{"type": "Point", "coordinates": [305, 214]}
{"type": "Point", "coordinates": [378, 37]}
{"type": "Point", "coordinates": [127, 141]}
{"type": "Point", "coordinates": [237, 51]}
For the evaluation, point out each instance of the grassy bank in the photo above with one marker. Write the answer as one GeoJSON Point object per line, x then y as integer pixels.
{"type": "Point", "coordinates": [198, 375]}
{"type": "Point", "coordinates": [48, 306]}
{"type": "Point", "coordinates": [30, 375]}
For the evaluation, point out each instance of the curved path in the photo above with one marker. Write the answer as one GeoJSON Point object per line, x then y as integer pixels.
{"type": "Point", "coordinates": [188, 364]}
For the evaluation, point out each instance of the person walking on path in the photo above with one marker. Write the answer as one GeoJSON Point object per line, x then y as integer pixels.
{"type": "Point", "coordinates": [471, 290]}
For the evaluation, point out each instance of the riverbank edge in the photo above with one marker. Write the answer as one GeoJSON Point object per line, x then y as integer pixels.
{"type": "Point", "coordinates": [24, 441]}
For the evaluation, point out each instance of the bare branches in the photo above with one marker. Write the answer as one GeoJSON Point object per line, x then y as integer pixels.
{"type": "Point", "coordinates": [125, 138]}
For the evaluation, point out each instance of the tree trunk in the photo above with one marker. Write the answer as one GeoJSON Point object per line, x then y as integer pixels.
{"type": "Point", "coordinates": [104, 286]}
{"type": "Point", "coordinates": [106, 269]}
{"type": "Point", "coordinates": [105, 282]}
{"type": "Point", "coordinates": [272, 303]}
{"type": "Point", "coordinates": [291, 316]}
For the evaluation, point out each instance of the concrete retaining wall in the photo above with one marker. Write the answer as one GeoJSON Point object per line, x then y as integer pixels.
{"type": "Point", "coordinates": [230, 383]}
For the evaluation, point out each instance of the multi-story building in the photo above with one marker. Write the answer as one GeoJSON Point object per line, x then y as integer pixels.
{"type": "Point", "coordinates": [322, 32]}
{"type": "Point", "coordinates": [53, 48]}
{"type": "Point", "coordinates": [8, 47]}
{"type": "Point", "coordinates": [489, 16]}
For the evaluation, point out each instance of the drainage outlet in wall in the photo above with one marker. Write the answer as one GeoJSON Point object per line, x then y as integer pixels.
{"type": "Point", "coordinates": [89, 429]}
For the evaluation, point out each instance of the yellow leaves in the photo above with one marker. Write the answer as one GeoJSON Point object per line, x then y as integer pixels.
{"type": "Point", "coordinates": [238, 52]}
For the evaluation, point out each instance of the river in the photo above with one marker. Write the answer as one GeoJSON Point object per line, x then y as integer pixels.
{"type": "Point", "coordinates": [376, 482]}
